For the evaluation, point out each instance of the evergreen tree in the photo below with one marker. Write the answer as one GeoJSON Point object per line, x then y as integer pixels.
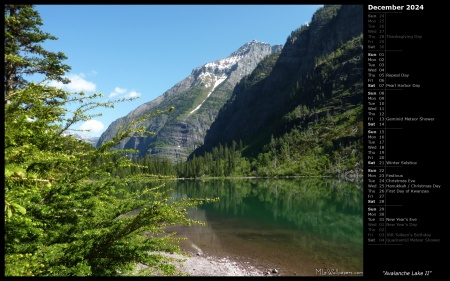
{"type": "Point", "coordinates": [23, 53]}
{"type": "Point", "coordinates": [65, 214]}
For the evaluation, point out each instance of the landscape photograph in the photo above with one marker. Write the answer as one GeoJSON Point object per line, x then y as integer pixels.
{"type": "Point", "coordinates": [183, 140]}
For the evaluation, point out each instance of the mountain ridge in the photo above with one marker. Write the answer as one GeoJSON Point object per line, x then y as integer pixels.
{"type": "Point", "coordinates": [196, 99]}
{"type": "Point", "coordinates": [255, 107]}
{"type": "Point", "coordinates": [299, 112]}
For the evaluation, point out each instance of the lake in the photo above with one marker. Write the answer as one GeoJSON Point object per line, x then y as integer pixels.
{"type": "Point", "coordinates": [300, 226]}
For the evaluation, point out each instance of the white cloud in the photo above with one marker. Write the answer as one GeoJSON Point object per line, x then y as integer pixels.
{"type": "Point", "coordinates": [123, 93]}
{"type": "Point", "coordinates": [133, 94]}
{"type": "Point", "coordinates": [120, 90]}
{"type": "Point", "coordinates": [77, 84]}
{"type": "Point", "coordinates": [117, 91]}
{"type": "Point", "coordinates": [93, 126]}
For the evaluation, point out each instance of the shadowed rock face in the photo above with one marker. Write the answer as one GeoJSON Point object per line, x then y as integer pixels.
{"type": "Point", "coordinates": [197, 100]}
{"type": "Point", "coordinates": [243, 96]}
{"type": "Point", "coordinates": [256, 103]}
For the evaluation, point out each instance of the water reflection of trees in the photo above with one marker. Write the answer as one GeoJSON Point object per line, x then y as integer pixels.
{"type": "Point", "coordinates": [330, 208]}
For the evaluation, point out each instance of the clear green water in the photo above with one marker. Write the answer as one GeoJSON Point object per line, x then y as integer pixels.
{"type": "Point", "coordinates": [302, 227]}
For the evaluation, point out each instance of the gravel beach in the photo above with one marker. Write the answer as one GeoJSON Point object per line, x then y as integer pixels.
{"type": "Point", "coordinates": [196, 263]}
{"type": "Point", "coordinates": [199, 265]}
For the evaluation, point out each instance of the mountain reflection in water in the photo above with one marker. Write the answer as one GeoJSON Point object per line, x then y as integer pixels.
{"type": "Point", "coordinates": [298, 226]}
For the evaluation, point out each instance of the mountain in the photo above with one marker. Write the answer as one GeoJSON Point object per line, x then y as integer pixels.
{"type": "Point", "coordinates": [305, 101]}
{"type": "Point", "coordinates": [92, 140]}
{"type": "Point", "coordinates": [196, 101]}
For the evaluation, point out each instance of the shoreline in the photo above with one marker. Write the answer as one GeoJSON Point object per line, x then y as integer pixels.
{"type": "Point", "coordinates": [198, 264]}
{"type": "Point", "coordinates": [194, 262]}
{"type": "Point", "coordinates": [201, 265]}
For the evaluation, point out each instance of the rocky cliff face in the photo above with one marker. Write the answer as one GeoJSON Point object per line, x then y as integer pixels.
{"type": "Point", "coordinates": [261, 100]}
{"type": "Point", "coordinates": [196, 99]}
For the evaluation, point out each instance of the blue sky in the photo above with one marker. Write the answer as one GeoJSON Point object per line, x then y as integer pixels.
{"type": "Point", "coordinates": [144, 50]}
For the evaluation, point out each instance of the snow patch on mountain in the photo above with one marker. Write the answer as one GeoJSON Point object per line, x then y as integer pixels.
{"type": "Point", "coordinates": [217, 83]}
{"type": "Point", "coordinates": [223, 64]}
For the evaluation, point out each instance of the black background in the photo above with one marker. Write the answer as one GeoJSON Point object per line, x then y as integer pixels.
{"type": "Point", "coordinates": [422, 142]}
